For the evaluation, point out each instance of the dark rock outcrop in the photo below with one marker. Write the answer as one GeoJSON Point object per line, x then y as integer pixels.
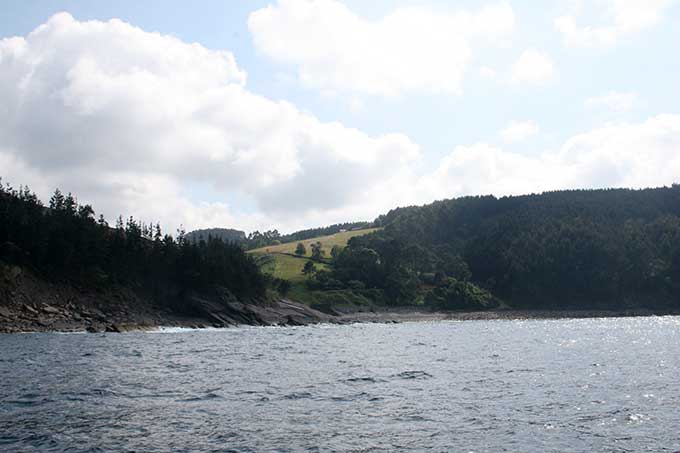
{"type": "Point", "coordinates": [28, 303]}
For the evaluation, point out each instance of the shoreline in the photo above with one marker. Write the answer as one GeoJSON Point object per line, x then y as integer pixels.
{"type": "Point", "coordinates": [50, 319]}
{"type": "Point", "coordinates": [503, 315]}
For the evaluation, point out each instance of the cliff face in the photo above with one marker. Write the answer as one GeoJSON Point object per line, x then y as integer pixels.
{"type": "Point", "coordinates": [29, 304]}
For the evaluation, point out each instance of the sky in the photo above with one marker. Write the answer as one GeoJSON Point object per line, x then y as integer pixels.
{"type": "Point", "coordinates": [289, 114]}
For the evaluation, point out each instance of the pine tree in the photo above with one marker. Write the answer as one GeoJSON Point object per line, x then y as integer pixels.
{"type": "Point", "coordinates": [57, 201]}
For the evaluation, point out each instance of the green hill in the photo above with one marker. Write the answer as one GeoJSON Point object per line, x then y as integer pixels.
{"type": "Point", "coordinates": [327, 242]}
{"type": "Point", "coordinates": [280, 261]}
{"type": "Point", "coordinates": [579, 249]}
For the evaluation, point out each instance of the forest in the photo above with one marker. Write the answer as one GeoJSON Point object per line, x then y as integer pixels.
{"type": "Point", "coordinates": [577, 249]}
{"type": "Point", "coordinates": [65, 242]}
{"type": "Point", "coordinates": [612, 249]}
{"type": "Point", "coordinates": [258, 239]}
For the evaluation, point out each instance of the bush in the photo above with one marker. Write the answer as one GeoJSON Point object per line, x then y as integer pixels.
{"type": "Point", "coordinates": [356, 284]}
{"type": "Point", "coordinates": [283, 287]}
{"type": "Point", "coordinates": [460, 295]}
{"type": "Point", "coordinates": [322, 280]}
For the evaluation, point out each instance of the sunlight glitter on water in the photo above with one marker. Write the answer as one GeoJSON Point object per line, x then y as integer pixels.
{"type": "Point", "coordinates": [548, 385]}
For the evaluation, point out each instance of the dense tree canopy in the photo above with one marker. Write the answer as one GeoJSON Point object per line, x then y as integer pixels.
{"type": "Point", "coordinates": [569, 249]}
{"type": "Point", "coordinates": [585, 248]}
{"type": "Point", "coordinates": [64, 242]}
{"type": "Point", "coordinates": [225, 234]}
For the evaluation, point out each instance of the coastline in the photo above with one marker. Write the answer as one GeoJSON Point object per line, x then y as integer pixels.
{"type": "Point", "coordinates": [407, 315]}
{"type": "Point", "coordinates": [48, 318]}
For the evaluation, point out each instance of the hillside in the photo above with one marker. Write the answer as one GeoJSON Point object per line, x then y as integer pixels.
{"type": "Point", "coordinates": [614, 249]}
{"type": "Point", "coordinates": [580, 249]}
{"type": "Point", "coordinates": [62, 252]}
{"type": "Point", "coordinates": [327, 242]}
{"type": "Point", "coordinates": [281, 262]}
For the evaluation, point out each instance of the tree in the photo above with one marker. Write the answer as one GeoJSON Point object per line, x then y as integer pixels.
{"type": "Point", "coordinates": [157, 233]}
{"type": "Point", "coordinates": [284, 287]}
{"type": "Point", "coordinates": [57, 201]}
{"type": "Point", "coordinates": [309, 268]}
{"type": "Point", "coordinates": [335, 251]}
{"type": "Point", "coordinates": [317, 251]}
{"type": "Point", "coordinates": [300, 250]}
{"type": "Point", "coordinates": [69, 244]}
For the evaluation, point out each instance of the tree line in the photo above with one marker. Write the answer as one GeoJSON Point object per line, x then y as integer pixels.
{"type": "Point", "coordinates": [258, 239]}
{"type": "Point", "coordinates": [565, 249]}
{"type": "Point", "coordinates": [65, 242]}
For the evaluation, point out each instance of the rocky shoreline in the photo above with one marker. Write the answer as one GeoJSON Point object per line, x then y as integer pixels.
{"type": "Point", "coordinates": [410, 315]}
{"type": "Point", "coordinates": [43, 317]}
{"type": "Point", "coordinates": [73, 318]}
{"type": "Point", "coordinates": [28, 304]}
{"type": "Point", "coordinates": [31, 304]}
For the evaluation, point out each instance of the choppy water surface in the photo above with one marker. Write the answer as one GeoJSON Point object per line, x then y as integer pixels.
{"type": "Point", "coordinates": [568, 385]}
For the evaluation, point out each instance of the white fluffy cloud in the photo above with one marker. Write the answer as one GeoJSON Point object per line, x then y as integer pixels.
{"type": "Point", "coordinates": [533, 67]}
{"type": "Point", "coordinates": [134, 121]}
{"type": "Point", "coordinates": [487, 73]}
{"type": "Point", "coordinates": [518, 131]}
{"type": "Point", "coordinates": [413, 49]}
{"type": "Point", "coordinates": [613, 100]}
{"type": "Point", "coordinates": [144, 124]}
{"type": "Point", "coordinates": [617, 155]}
{"type": "Point", "coordinates": [626, 17]}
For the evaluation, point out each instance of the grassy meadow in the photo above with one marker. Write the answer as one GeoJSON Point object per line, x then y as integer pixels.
{"type": "Point", "coordinates": [327, 243]}
{"type": "Point", "coordinates": [281, 261]}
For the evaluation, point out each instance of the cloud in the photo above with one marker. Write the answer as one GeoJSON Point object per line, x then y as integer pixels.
{"type": "Point", "coordinates": [518, 131]}
{"type": "Point", "coordinates": [487, 73]}
{"type": "Point", "coordinates": [134, 121]}
{"type": "Point", "coordinates": [533, 67]}
{"type": "Point", "coordinates": [483, 169]}
{"type": "Point", "coordinates": [633, 155]}
{"type": "Point", "coordinates": [412, 49]}
{"type": "Point", "coordinates": [627, 17]}
{"type": "Point", "coordinates": [145, 124]}
{"type": "Point", "coordinates": [613, 100]}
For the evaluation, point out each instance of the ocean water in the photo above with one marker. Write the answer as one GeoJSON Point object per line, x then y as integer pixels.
{"type": "Point", "coordinates": [539, 385]}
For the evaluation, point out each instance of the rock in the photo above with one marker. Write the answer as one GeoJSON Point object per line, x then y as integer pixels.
{"type": "Point", "coordinates": [5, 313]}
{"type": "Point", "coordinates": [62, 326]}
{"type": "Point", "coordinates": [291, 321]}
{"type": "Point", "coordinates": [14, 273]}
{"type": "Point", "coordinates": [50, 309]}
{"type": "Point", "coordinates": [326, 308]}
{"type": "Point", "coordinates": [30, 309]}
{"type": "Point", "coordinates": [94, 314]}
{"type": "Point", "coordinates": [113, 328]}
{"type": "Point", "coordinates": [91, 329]}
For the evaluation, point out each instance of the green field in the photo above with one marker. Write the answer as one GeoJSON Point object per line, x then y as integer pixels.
{"type": "Point", "coordinates": [286, 267]}
{"type": "Point", "coordinates": [327, 243]}
{"type": "Point", "coordinates": [281, 262]}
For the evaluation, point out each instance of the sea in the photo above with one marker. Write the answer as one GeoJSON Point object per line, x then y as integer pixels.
{"type": "Point", "coordinates": [568, 385]}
